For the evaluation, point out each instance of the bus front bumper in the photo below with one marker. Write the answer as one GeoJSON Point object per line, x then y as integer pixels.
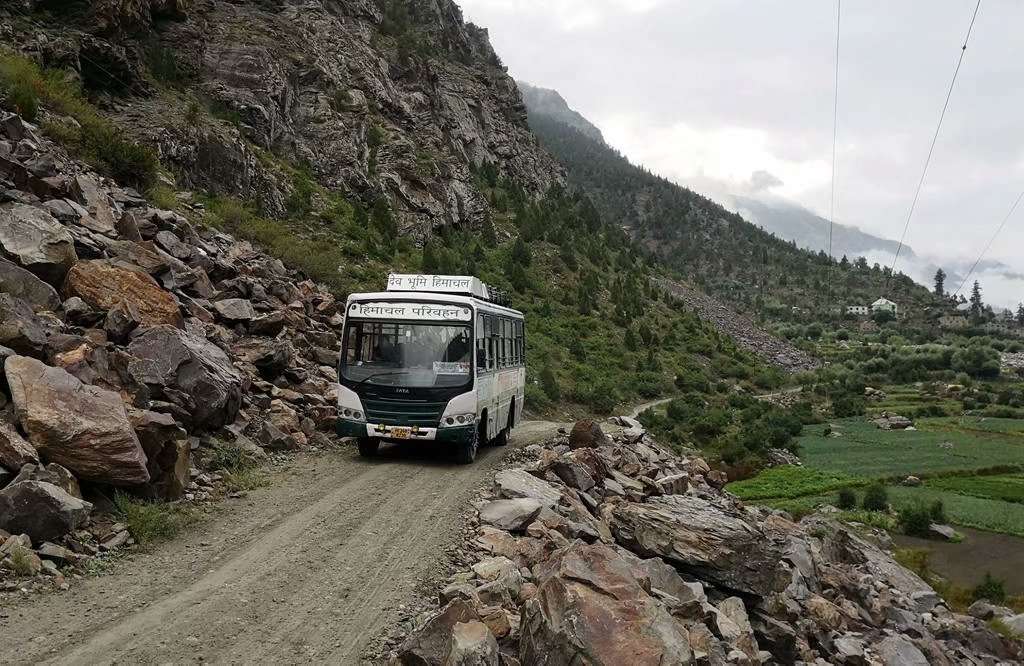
{"type": "Point", "coordinates": [457, 435]}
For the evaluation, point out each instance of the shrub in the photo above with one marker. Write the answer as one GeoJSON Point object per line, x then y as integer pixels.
{"type": "Point", "coordinates": [847, 499]}
{"type": "Point", "coordinates": [990, 589]}
{"type": "Point", "coordinates": [536, 398]}
{"type": "Point", "coordinates": [915, 519]}
{"type": "Point", "coordinates": [848, 404]}
{"type": "Point", "coordinates": [937, 512]}
{"type": "Point", "coordinates": [549, 383]}
{"type": "Point", "coordinates": [149, 522]}
{"type": "Point", "coordinates": [876, 498]}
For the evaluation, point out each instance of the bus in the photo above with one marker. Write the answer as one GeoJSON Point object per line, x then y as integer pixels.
{"type": "Point", "coordinates": [435, 358]}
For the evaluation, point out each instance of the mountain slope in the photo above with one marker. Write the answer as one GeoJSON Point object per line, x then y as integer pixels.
{"type": "Point", "coordinates": [809, 231]}
{"type": "Point", "coordinates": [396, 100]}
{"type": "Point", "coordinates": [713, 247]}
{"type": "Point", "coordinates": [547, 102]}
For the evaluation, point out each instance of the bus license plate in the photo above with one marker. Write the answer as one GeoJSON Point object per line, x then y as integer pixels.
{"type": "Point", "coordinates": [401, 433]}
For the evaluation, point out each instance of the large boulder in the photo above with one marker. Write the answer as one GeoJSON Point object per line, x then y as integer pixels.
{"type": "Point", "coordinates": [15, 452]}
{"type": "Point", "coordinates": [167, 452]}
{"type": "Point", "coordinates": [590, 608]}
{"type": "Point", "coordinates": [587, 434]}
{"type": "Point", "coordinates": [53, 474]}
{"type": "Point", "coordinates": [188, 371]}
{"type": "Point", "coordinates": [33, 239]}
{"type": "Point", "coordinates": [709, 539]}
{"type": "Point", "coordinates": [107, 285]}
{"type": "Point", "coordinates": [41, 510]}
{"type": "Point", "coordinates": [82, 427]}
{"type": "Point", "coordinates": [431, 644]}
{"type": "Point", "coordinates": [23, 330]}
{"type": "Point", "coordinates": [473, 644]}
{"type": "Point", "coordinates": [23, 284]}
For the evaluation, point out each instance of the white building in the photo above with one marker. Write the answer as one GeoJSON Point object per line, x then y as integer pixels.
{"type": "Point", "coordinates": [859, 310]}
{"type": "Point", "coordinates": [884, 305]}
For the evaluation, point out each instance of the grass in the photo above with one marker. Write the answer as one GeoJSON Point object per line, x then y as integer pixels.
{"type": "Point", "coordinates": [28, 89]}
{"type": "Point", "coordinates": [241, 471]}
{"type": "Point", "coordinates": [152, 522]}
{"type": "Point", "coordinates": [1007, 488]}
{"type": "Point", "coordinates": [21, 561]}
{"type": "Point", "coordinates": [863, 450]}
{"type": "Point", "coordinates": [977, 512]}
{"type": "Point", "coordinates": [791, 482]}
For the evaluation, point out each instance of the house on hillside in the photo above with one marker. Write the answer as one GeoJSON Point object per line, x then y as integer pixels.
{"type": "Point", "coordinates": [858, 310]}
{"type": "Point", "coordinates": [884, 305]}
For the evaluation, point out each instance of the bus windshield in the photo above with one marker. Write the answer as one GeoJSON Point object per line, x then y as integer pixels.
{"type": "Point", "coordinates": [407, 355]}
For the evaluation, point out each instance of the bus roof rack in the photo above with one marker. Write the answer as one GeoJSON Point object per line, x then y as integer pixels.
{"type": "Point", "coordinates": [449, 284]}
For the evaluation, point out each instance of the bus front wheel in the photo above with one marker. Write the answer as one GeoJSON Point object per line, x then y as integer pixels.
{"type": "Point", "coordinates": [368, 446]}
{"type": "Point", "coordinates": [466, 452]}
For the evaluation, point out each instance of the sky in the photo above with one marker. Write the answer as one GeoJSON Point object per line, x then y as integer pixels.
{"type": "Point", "coordinates": [736, 97]}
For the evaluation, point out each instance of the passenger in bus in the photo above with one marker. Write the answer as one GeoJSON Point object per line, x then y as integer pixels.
{"type": "Point", "coordinates": [459, 349]}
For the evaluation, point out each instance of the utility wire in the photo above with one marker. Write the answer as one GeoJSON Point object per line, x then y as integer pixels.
{"type": "Point", "coordinates": [835, 125]}
{"type": "Point", "coordinates": [981, 256]}
{"type": "Point", "coordinates": [931, 149]}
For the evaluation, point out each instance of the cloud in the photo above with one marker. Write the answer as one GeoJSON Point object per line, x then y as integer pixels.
{"type": "Point", "coordinates": [567, 15]}
{"type": "Point", "coordinates": [762, 180]}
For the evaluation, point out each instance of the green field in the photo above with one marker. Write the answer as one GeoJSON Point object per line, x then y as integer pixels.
{"type": "Point", "coordinates": [979, 478]}
{"type": "Point", "coordinates": [858, 448]}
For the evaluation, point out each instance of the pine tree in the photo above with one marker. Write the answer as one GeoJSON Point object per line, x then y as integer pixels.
{"type": "Point", "coordinates": [940, 282]}
{"type": "Point", "coordinates": [977, 305]}
{"type": "Point", "coordinates": [549, 383]}
{"type": "Point", "coordinates": [1020, 315]}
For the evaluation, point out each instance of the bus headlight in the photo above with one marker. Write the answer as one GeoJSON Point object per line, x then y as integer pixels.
{"type": "Point", "coordinates": [352, 415]}
{"type": "Point", "coordinates": [459, 420]}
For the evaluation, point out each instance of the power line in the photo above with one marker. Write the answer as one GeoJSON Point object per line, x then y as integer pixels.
{"type": "Point", "coordinates": [931, 149]}
{"type": "Point", "coordinates": [1002, 224]}
{"type": "Point", "coordinates": [835, 125]}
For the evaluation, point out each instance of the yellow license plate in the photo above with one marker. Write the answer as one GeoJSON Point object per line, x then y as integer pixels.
{"type": "Point", "coordinates": [401, 433]}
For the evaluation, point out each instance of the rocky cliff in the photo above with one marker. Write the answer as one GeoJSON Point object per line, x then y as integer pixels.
{"type": "Point", "coordinates": [395, 99]}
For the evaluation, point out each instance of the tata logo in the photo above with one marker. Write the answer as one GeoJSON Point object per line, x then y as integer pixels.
{"type": "Point", "coordinates": [401, 390]}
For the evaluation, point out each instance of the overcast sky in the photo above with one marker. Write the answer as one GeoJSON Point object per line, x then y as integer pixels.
{"type": "Point", "coordinates": [711, 93]}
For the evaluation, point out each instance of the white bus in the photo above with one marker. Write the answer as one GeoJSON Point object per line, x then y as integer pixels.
{"type": "Point", "coordinates": [435, 358]}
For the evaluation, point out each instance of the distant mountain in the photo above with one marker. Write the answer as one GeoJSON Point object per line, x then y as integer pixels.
{"type": "Point", "coordinates": [713, 247]}
{"type": "Point", "coordinates": [546, 102]}
{"type": "Point", "coordinates": [793, 222]}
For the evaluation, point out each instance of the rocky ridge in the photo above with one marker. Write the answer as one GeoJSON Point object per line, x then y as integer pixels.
{"type": "Point", "coordinates": [748, 335]}
{"type": "Point", "coordinates": [137, 349]}
{"type": "Point", "coordinates": [400, 100]}
{"type": "Point", "coordinates": [613, 550]}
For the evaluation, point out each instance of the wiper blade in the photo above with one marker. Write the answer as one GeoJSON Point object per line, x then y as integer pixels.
{"type": "Point", "coordinates": [381, 374]}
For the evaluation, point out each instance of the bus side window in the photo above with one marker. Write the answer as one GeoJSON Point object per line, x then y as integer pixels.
{"type": "Point", "coordinates": [481, 345]}
{"type": "Point", "coordinates": [492, 347]}
{"type": "Point", "coordinates": [506, 329]}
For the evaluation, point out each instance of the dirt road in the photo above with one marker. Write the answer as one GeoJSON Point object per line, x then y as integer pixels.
{"type": "Point", "coordinates": [309, 569]}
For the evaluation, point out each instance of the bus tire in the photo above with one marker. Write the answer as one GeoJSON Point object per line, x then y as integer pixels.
{"type": "Point", "coordinates": [502, 437]}
{"type": "Point", "coordinates": [466, 452]}
{"type": "Point", "coordinates": [368, 446]}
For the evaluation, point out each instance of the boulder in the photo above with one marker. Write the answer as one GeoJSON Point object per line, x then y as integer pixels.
{"type": "Point", "coordinates": [431, 644]}
{"type": "Point", "coordinates": [899, 651]}
{"type": "Point", "coordinates": [591, 609]}
{"type": "Point", "coordinates": [54, 474]}
{"type": "Point", "coordinates": [235, 310]}
{"type": "Point", "coordinates": [944, 532]}
{"type": "Point", "coordinates": [15, 452]}
{"type": "Point", "coordinates": [23, 330]}
{"type": "Point", "coordinates": [983, 610]}
{"type": "Point", "coordinates": [41, 510]}
{"type": "Point", "coordinates": [106, 285]}
{"type": "Point", "coordinates": [167, 452]}
{"type": "Point", "coordinates": [511, 515]}
{"type": "Point", "coordinates": [23, 284]}
{"type": "Point", "coordinates": [472, 645]}
{"type": "Point", "coordinates": [34, 240]}
{"type": "Point", "coordinates": [82, 427]}
{"type": "Point", "coordinates": [270, 357]}
{"type": "Point", "coordinates": [517, 483]}
{"type": "Point", "coordinates": [587, 434]}
{"type": "Point", "coordinates": [709, 539]}
{"type": "Point", "coordinates": [100, 216]}
{"type": "Point", "coordinates": [188, 371]}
